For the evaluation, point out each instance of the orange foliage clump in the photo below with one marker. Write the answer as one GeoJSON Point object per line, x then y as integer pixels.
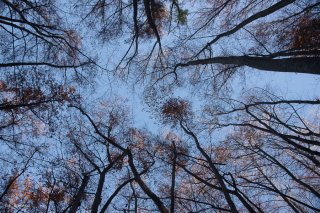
{"type": "Point", "coordinates": [176, 109]}
{"type": "Point", "coordinates": [307, 34]}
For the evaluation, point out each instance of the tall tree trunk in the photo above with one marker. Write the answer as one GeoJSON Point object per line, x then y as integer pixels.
{"type": "Point", "coordinates": [80, 194]}
{"type": "Point", "coordinates": [97, 196]}
{"type": "Point", "coordinates": [308, 65]}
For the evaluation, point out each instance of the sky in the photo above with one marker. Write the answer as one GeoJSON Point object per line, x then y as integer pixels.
{"type": "Point", "coordinates": [288, 85]}
{"type": "Point", "coordinates": [291, 86]}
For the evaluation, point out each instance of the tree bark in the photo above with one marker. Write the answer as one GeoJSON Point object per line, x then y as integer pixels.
{"type": "Point", "coordinates": [97, 196]}
{"type": "Point", "coordinates": [80, 194]}
{"type": "Point", "coordinates": [144, 187]}
{"type": "Point", "coordinates": [306, 65]}
{"type": "Point", "coordinates": [173, 177]}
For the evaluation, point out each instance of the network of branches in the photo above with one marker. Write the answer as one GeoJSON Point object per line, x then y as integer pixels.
{"type": "Point", "coordinates": [70, 143]}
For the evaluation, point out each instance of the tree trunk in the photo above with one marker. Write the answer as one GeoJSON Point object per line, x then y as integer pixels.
{"type": "Point", "coordinates": [97, 197]}
{"type": "Point", "coordinates": [79, 195]}
{"type": "Point", "coordinates": [308, 65]}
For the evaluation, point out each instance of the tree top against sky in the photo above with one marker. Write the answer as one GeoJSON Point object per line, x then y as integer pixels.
{"type": "Point", "coordinates": [70, 143]}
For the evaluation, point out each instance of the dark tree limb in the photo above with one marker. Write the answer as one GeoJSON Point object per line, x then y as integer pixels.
{"type": "Point", "coordinates": [261, 14]}
{"type": "Point", "coordinates": [218, 176]}
{"type": "Point", "coordinates": [157, 201]}
{"type": "Point", "coordinates": [147, 7]}
{"type": "Point", "coordinates": [80, 194]}
{"type": "Point", "coordinates": [306, 65]}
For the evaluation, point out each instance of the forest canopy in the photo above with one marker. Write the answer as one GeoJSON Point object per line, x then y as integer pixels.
{"type": "Point", "coordinates": [145, 106]}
